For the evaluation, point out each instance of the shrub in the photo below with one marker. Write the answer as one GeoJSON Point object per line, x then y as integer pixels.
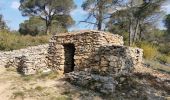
{"type": "Point", "coordinates": [150, 51]}
{"type": "Point", "coordinates": [13, 41]}
{"type": "Point", "coordinates": [165, 49]}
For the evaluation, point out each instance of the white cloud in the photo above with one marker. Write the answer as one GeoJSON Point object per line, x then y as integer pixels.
{"type": "Point", "coordinates": [15, 5]}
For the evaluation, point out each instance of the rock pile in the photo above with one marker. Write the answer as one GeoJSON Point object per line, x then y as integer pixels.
{"type": "Point", "coordinates": [27, 61]}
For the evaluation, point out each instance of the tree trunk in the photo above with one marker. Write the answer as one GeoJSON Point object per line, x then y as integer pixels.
{"type": "Point", "coordinates": [99, 25]}
{"type": "Point", "coordinates": [136, 31]}
{"type": "Point", "coordinates": [100, 16]}
{"type": "Point", "coordinates": [47, 30]}
{"type": "Point", "coordinates": [140, 32]}
{"type": "Point", "coordinates": [130, 31]}
{"type": "Point", "coordinates": [48, 27]}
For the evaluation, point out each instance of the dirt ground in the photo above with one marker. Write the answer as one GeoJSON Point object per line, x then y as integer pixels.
{"type": "Point", "coordinates": [52, 86]}
{"type": "Point", "coordinates": [14, 86]}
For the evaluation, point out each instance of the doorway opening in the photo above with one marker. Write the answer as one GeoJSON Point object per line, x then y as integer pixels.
{"type": "Point", "coordinates": [69, 51]}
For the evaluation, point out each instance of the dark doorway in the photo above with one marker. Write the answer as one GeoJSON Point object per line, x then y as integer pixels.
{"type": "Point", "coordinates": [69, 50]}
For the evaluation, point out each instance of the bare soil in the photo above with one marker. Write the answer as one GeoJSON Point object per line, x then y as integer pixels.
{"type": "Point", "coordinates": [14, 86]}
{"type": "Point", "coordinates": [52, 86]}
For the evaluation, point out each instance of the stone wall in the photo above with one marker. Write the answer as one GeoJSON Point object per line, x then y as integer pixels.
{"type": "Point", "coordinates": [111, 59]}
{"type": "Point", "coordinates": [27, 61]}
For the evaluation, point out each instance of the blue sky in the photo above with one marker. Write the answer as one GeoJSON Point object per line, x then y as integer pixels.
{"type": "Point", "coordinates": [13, 17]}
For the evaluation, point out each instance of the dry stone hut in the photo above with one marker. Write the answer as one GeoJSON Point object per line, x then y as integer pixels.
{"type": "Point", "coordinates": [92, 58]}
{"type": "Point", "coordinates": [73, 51]}
{"type": "Point", "coordinates": [91, 51]}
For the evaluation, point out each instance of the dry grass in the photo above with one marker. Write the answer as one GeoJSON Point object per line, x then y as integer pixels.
{"type": "Point", "coordinates": [150, 51]}
{"type": "Point", "coordinates": [158, 66]}
{"type": "Point", "coordinates": [41, 87]}
{"type": "Point", "coordinates": [13, 41]}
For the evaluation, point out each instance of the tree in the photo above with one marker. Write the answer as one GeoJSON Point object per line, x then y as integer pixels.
{"type": "Point", "coordinates": [2, 23]}
{"type": "Point", "coordinates": [167, 23]}
{"type": "Point", "coordinates": [136, 15]}
{"type": "Point", "coordinates": [33, 26]}
{"type": "Point", "coordinates": [46, 9]}
{"type": "Point", "coordinates": [36, 26]}
{"type": "Point", "coordinates": [98, 11]}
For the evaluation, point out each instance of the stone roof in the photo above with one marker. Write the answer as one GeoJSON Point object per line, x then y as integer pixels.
{"type": "Point", "coordinates": [84, 32]}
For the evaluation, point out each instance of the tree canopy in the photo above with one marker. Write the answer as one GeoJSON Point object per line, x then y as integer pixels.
{"type": "Point", "coordinates": [2, 23]}
{"type": "Point", "coordinates": [35, 26]}
{"type": "Point", "coordinates": [98, 11]}
{"type": "Point", "coordinates": [135, 17]}
{"type": "Point", "coordinates": [47, 10]}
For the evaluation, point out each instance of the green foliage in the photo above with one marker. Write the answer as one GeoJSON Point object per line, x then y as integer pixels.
{"type": "Point", "coordinates": [2, 23]}
{"type": "Point", "coordinates": [98, 11]}
{"type": "Point", "coordinates": [150, 51]}
{"type": "Point", "coordinates": [138, 15]}
{"type": "Point", "coordinates": [167, 23]}
{"type": "Point", "coordinates": [13, 41]}
{"type": "Point", "coordinates": [164, 49]}
{"type": "Point", "coordinates": [33, 26]}
{"type": "Point", "coordinates": [47, 10]}
{"type": "Point", "coordinates": [36, 26]}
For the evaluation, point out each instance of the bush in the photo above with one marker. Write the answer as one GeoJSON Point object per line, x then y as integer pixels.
{"type": "Point", "coordinates": [13, 41]}
{"type": "Point", "coordinates": [165, 49]}
{"type": "Point", "coordinates": [150, 51]}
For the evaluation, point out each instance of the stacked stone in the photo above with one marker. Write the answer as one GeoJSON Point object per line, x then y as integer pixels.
{"type": "Point", "coordinates": [27, 61]}
{"type": "Point", "coordinates": [99, 58]}
{"type": "Point", "coordinates": [116, 59]}
{"type": "Point", "coordinates": [105, 66]}
{"type": "Point", "coordinates": [102, 84]}
{"type": "Point", "coordinates": [85, 43]}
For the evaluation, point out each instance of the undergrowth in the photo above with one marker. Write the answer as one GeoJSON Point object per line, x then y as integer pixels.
{"type": "Point", "coordinates": [13, 41]}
